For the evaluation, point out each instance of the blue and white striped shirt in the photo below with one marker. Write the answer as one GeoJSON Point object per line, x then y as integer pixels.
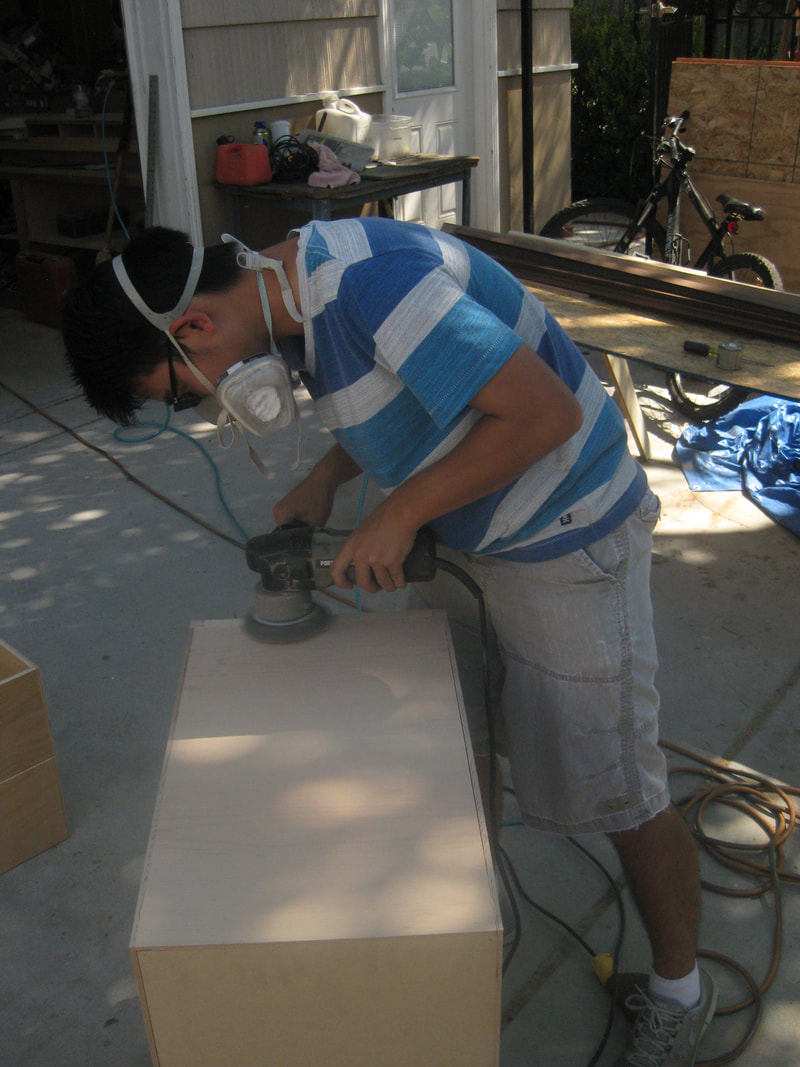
{"type": "Point", "coordinates": [403, 326]}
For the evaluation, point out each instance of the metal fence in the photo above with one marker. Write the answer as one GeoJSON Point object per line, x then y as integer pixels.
{"type": "Point", "coordinates": [717, 29]}
{"type": "Point", "coordinates": [752, 29]}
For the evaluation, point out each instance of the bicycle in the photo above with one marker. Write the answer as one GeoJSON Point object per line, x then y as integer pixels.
{"type": "Point", "coordinates": [617, 226]}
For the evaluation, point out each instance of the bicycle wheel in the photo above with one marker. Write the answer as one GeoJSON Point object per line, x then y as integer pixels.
{"type": "Point", "coordinates": [602, 223]}
{"type": "Point", "coordinates": [749, 268]}
{"type": "Point", "coordinates": [702, 400]}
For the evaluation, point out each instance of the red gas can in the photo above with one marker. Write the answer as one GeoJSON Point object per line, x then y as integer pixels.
{"type": "Point", "coordinates": [43, 281]}
{"type": "Point", "coordinates": [243, 164]}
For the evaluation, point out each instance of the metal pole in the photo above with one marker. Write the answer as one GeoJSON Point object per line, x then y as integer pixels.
{"type": "Point", "coordinates": [526, 55]}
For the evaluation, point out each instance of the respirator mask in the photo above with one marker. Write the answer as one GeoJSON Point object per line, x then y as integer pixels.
{"type": "Point", "coordinates": [254, 395]}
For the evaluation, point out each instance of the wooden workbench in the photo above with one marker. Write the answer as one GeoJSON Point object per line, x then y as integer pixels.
{"type": "Point", "coordinates": [378, 184]}
{"type": "Point", "coordinates": [768, 367]}
{"type": "Point", "coordinates": [625, 308]}
{"type": "Point", "coordinates": [620, 335]}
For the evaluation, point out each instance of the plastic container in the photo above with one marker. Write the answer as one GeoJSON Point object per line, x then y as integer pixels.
{"type": "Point", "coordinates": [243, 164]}
{"type": "Point", "coordinates": [260, 135]}
{"type": "Point", "coordinates": [343, 119]}
{"type": "Point", "coordinates": [391, 136]}
{"type": "Point", "coordinates": [80, 101]}
{"type": "Point", "coordinates": [43, 281]}
{"type": "Point", "coordinates": [278, 129]}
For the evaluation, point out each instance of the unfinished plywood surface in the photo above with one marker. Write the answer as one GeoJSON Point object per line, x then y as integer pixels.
{"type": "Point", "coordinates": [32, 816]}
{"type": "Point", "coordinates": [318, 877]}
{"type": "Point", "coordinates": [742, 112]}
{"type": "Point", "coordinates": [658, 342]}
{"type": "Point", "coordinates": [25, 737]}
{"type": "Point", "coordinates": [745, 128]}
{"type": "Point", "coordinates": [356, 1003]}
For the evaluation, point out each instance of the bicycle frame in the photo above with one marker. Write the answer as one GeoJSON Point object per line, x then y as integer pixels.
{"type": "Point", "coordinates": [670, 188]}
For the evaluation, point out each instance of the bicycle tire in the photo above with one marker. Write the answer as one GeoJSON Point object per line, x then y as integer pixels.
{"type": "Point", "coordinates": [601, 223]}
{"type": "Point", "coordinates": [749, 268]}
{"type": "Point", "coordinates": [696, 398]}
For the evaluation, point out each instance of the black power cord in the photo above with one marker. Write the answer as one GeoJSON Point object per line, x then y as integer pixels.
{"type": "Point", "coordinates": [504, 866]}
{"type": "Point", "coordinates": [493, 814]}
{"type": "Point", "coordinates": [764, 801]}
{"type": "Point", "coordinates": [291, 160]}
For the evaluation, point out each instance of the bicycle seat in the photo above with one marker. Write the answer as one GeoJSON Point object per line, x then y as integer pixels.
{"type": "Point", "coordinates": [740, 209]}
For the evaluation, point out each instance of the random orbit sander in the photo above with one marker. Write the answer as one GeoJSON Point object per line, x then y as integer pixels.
{"type": "Point", "coordinates": [294, 560]}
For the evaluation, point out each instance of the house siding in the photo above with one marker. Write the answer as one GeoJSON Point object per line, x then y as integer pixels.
{"type": "Point", "coordinates": [246, 59]}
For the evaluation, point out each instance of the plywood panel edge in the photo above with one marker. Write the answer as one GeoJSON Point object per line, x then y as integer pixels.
{"type": "Point", "coordinates": [45, 801]}
{"type": "Point", "coordinates": [161, 784]}
{"type": "Point", "coordinates": [24, 724]}
{"type": "Point", "coordinates": [151, 1039]}
{"type": "Point", "coordinates": [10, 656]}
{"type": "Point", "coordinates": [473, 771]}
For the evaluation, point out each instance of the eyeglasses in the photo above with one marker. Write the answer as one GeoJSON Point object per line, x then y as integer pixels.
{"type": "Point", "coordinates": [183, 401]}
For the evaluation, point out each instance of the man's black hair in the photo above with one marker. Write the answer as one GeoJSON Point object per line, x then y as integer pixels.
{"type": "Point", "coordinates": [109, 344]}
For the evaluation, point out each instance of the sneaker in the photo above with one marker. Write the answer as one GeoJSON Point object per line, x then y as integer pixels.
{"type": "Point", "coordinates": [665, 1034]}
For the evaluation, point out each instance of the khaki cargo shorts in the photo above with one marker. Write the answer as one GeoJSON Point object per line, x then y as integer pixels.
{"type": "Point", "coordinates": [573, 660]}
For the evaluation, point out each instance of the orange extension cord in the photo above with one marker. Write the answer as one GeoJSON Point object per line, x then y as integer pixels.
{"type": "Point", "coordinates": [769, 805]}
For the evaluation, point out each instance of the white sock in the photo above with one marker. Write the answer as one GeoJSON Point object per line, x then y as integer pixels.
{"type": "Point", "coordinates": [686, 991]}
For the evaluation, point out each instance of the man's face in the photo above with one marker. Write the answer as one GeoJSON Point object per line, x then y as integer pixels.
{"type": "Point", "coordinates": [213, 338]}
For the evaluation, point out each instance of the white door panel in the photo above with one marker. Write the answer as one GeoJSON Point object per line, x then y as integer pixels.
{"type": "Point", "coordinates": [431, 50]}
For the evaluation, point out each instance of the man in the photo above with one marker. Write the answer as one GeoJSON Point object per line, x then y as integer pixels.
{"type": "Point", "coordinates": [453, 388]}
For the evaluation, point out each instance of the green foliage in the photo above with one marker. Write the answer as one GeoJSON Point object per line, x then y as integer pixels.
{"type": "Point", "coordinates": [610, 97]}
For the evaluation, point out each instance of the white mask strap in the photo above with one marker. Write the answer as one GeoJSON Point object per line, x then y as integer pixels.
{"type": "Point", "coordinates": [195, 370]}
{"type": "Point", "coordinates": [161, 319]}
{"type": "Point", "coordinates": [251, 260]}
{"type": "Point", "coordinates": [265, 310]}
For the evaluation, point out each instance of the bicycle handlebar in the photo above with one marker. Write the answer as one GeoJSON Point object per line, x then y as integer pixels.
{"type": "Point", "coordinates": [671, 143]}
{"type": "Point", "coordinates": [677, 121]}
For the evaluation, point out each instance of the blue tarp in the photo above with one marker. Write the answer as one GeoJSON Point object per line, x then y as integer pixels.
{"type": "Point", "coordinates": [754, 448]}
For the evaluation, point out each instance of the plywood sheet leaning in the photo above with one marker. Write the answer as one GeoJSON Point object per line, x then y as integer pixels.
{"type": "Point", "coordinates": [745, 128]}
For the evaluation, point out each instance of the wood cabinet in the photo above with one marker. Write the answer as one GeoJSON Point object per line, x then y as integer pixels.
{"type": "Point", "coordinates": [318, 886]}
{"type": "Point", "coordinates": [32, 816]}
{"type": "Point", "coordinates": [60, 179]}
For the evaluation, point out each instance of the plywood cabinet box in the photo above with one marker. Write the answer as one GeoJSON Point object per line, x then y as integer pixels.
{"type": "Point", "coordinates": [318, 885]}
{"type": "Point", "coordinates": [32, 816]}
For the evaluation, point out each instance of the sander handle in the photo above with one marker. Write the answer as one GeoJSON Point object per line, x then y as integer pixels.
{"type": "Point", "coordinates": [297, 556]}
{"type": "Point", "coordinates": [418, 566]}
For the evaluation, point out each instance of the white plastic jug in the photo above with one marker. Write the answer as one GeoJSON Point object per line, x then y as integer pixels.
{"type": "Point", "coordinates": [344, 119]}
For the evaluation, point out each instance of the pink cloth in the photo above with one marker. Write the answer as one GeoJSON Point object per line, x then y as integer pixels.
{"type": "Point", "coordinates": [331, 174]}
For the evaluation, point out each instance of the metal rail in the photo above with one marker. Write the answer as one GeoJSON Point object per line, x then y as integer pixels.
{"type": "Point", "coordinates": [655, 288]}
